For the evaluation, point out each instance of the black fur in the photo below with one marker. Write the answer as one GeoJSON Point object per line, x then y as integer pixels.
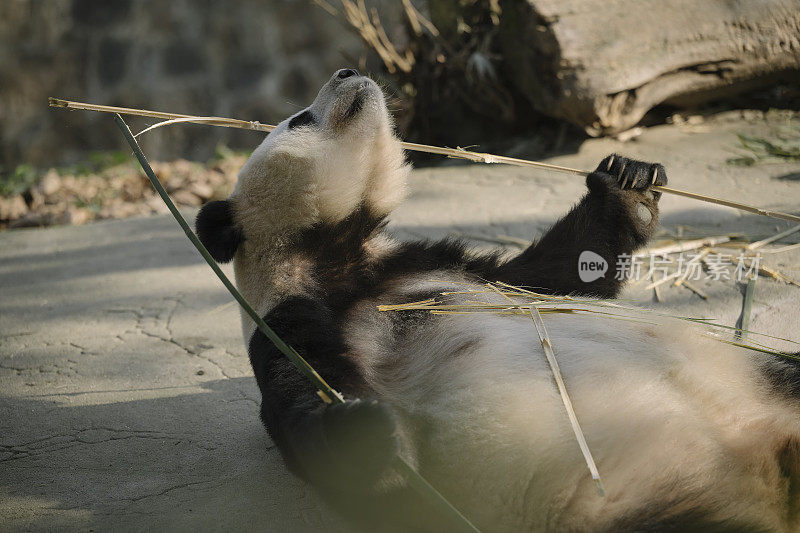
{"type": "Point", "coordinates": [340, 449]}
{"type": "Point", "coordinates": [355, 106]}
{"type": "Point", "coordinates": [349, 274]}
{"type": "Point", "coordinates": [602, 222]}
{"type": "Point", "coordinates": [217, 230]}
{"type": "Point", "coordinates": [783, 374]}
{"type": "Point", "coordinates": [290, 408]}
{"type": "Point", "coordinates": [306, 118]}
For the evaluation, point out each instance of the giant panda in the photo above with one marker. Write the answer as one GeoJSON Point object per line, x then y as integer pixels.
{"type": "Point", "coordinates": [688, 433]}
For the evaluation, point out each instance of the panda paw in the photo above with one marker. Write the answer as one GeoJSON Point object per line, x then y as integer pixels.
{"type": "Point", "coordinates": [629, 174]}
{"type": "Point", "coordinates": [631, 181]}
{"type": "Point", "coordinates": [362, 439]}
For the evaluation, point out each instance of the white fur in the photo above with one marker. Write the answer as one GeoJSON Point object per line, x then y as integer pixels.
{"type": "Point", "coordinates": [300, 177]}
{"type": "Point", "coordinates": [670, 416]}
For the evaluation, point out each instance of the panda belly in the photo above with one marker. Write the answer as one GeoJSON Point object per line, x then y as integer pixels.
{"type": "Point", "coordinates": [674, 425]}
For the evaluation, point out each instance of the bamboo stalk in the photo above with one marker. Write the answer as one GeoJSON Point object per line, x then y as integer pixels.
{"type": "Point", "coordinates": [656, 294]}
{"type": "Point", "coordinates": [782, 249]}
{"type": "Point", "coordinates": [457, 153]}
{"type": "Point", "coordinates": [547, 346]}
{"type": "Point", "coordinates": [774, 274]}
{"type": "Point", "coordinates": [212, 121]}
{"type": "Point", "coordinates": [416, 18]}
{"type": "Point", "coordinates": [728, 203]}
{"type": "Point", "coordinates": [684, 246]}
{"type": "Point", "coordinates": [747, 306]}
{"type": "Point", "coordinates": [527, 298]}
{"type": "Point", "coordinates": [776, 237]}
{"type": "Point", "coordinates": [296, 359]}
{"type": "Point", "coordinates": [663, 280]}
{"type": "Point", "coordinates": [685, 284]}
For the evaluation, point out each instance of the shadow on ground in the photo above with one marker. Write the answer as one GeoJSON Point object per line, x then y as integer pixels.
{"type": "Point", "coordinates": [185, 461]}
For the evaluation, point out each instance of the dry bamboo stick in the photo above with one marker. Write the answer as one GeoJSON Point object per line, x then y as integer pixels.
{"type": "Point", "coordinates": [685, 283]}
{"type": "Point", "coordinates": [550, 355]}
{"type": "Point", "coordinates": [774, 274]}
{"type": "Point", "coordinates": [213, 121]}
{"type": "Point", "coordinates": [728, 203]}
{"type": "Point", "coordinates": [781, 250]}
{"type": "Point", "coordinates": [416, 18]}
{"type": "Point", "coordinates": [684, 246]}
{"type": "Point", "coordinates": [663, 280]}
{"type": "Point", "coordinates": [449, 152]}
{"type": "Point", "coordinates": [776, 237]}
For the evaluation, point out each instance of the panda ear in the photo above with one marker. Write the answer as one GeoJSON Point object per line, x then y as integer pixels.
{"type": "Point", "coordinates": [217, 230]}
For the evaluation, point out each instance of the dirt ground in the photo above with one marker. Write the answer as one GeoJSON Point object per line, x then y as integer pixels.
{"type": "Point", "coordinates": [126, 398]}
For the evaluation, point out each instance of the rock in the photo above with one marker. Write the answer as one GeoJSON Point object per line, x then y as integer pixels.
{"type": "Point", "coordinates": [37, 199]}
{"type": "Point", "coordinates": [76, 216]}
{"type": "Point", "coordinates": [184, 197]}
{"type": "Point", "coordinates": [162, 170]}
{"type": "Point", "coordinates": [561, 54]}
{"type": "Point", "coordinates": [202, 190]}
{"type": "Point", "coordinates": [32, 220]}
{"type": "Point", "coordinates": [133, 190]}
{"type": "Point", "coordinates": [174, 184]}
{"type": "Point", "coordinates": [13, 207]}
{"type": "Point", "coordinates": [88, 189]}
{"type": "Point", "coordinates": [116, 192]}
{"type": "Point", "coordinates": [752, 114]}
{"type": "Point", "coordinates": [116, 208]}
{"type": "Point", "coordinates": [629, 135]}
{"type": "Point", "coordinates": [50, 184]}
{"type": "Point", "coordinates": [156, 205]}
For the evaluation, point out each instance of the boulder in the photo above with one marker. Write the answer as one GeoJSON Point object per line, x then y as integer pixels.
{"type": "Point", "coordinates": [602, 64]}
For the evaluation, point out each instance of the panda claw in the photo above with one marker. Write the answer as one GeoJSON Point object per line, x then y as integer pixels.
{"type": "Point", "coordinates": [622, 178]}
{"type": "Point", "coordinates": [629, 174]}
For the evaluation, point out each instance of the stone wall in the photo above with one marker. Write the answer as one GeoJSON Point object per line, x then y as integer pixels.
{"type": "Point", "coordinates": [250, 59]}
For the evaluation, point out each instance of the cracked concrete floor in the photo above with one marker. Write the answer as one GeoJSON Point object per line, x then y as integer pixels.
{"type": "Point", "coordinates": [126, 398]}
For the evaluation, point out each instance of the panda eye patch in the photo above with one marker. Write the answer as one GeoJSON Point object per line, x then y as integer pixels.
{"type": "Point", "coordinates": [303, 119]}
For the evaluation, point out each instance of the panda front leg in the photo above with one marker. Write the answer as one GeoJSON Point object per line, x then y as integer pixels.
{"type": "Point", "coordinates": [341, 448]}
{"type": "Point", "coordinates": [618, 215]}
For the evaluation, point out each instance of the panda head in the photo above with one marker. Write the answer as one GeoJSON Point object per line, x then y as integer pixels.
{"type": "Point", "coordinates": [316, 167]}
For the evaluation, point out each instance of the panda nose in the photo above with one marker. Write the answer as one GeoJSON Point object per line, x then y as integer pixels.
{"type": "Point", "coordinates": [346, 73]}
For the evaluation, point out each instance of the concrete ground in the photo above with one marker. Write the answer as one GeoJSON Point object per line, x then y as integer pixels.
{"type": "Point", "coordinates": [126, 398]}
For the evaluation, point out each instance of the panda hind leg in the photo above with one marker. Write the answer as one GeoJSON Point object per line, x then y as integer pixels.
{"type": "Point", "coordinates": [345, 446]}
